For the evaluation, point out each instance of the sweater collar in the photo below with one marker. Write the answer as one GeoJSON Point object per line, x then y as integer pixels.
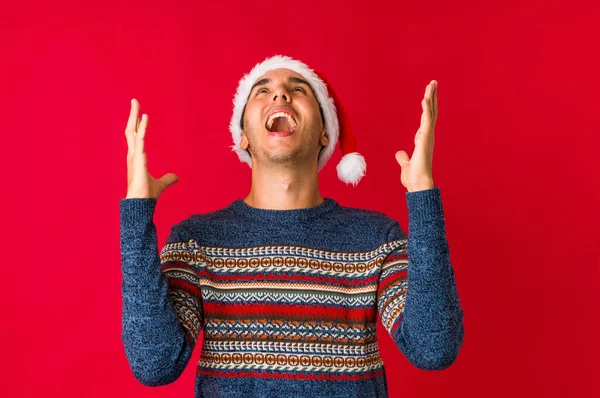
{"type": "Point", "coordinates": [272, 215]}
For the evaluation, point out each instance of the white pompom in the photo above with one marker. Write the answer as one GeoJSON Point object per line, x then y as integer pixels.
{"type": "Point", "coordinates": [351, 168]}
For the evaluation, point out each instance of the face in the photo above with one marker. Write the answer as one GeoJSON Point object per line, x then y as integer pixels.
{"type": "Point", "coordinates": [283, 89]}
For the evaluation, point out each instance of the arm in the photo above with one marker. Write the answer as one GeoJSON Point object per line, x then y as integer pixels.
{"type": "Point", "coordinates": [162, 311]}
{"type": "Point", "coordinates": [417, 298]}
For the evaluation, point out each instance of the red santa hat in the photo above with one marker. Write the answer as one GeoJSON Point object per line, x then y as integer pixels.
{"type": "Point", "coordinates": [352, 166]}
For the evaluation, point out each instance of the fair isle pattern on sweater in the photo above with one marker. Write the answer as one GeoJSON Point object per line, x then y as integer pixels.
{"type": "Point", "coordinates": [287, 301]}
{"type": "Point", "coordinates": [286, 311]}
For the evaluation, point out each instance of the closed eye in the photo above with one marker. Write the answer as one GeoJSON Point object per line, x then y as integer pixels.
{"type": "Point", "coordinates": [297, 88]}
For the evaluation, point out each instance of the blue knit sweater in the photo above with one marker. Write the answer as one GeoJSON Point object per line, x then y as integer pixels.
{"type": "Point", "coordinates": [287, 300]}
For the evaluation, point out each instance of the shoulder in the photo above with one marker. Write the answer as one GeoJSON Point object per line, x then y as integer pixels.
{"type": "Point", "coordinates": [376, 221]}
{"type": "Point", "coordinates": [366, 214]}
{"type": "Point", "coordinates": [213, 222]}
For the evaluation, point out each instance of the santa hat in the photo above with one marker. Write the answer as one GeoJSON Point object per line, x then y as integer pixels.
{"type": "Point", "coordinates": [352, 166]}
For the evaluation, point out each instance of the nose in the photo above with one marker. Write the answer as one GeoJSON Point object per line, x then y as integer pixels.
{"type": "Point", "coordinates": [281, 92]}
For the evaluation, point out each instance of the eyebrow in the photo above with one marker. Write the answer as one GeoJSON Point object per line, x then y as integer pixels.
{"type": "Point", "coordinates": [291, 79]}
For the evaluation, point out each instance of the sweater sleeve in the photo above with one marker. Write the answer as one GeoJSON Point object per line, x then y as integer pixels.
{"type": "Point", "coordinates": [162, 312]}
{"type": "Point", "coordinates": [417, 298]}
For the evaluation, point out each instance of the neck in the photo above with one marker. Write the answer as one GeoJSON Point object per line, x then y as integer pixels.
{"type": "Point", "coordinates": [284, 187]}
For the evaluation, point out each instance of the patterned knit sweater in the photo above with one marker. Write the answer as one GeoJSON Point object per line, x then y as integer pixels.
{"type": "Point", "coordinates": [287, 300]}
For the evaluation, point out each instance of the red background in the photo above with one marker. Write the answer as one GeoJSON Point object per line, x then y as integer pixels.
{"type": "Point", "coordinates": [515, 157]}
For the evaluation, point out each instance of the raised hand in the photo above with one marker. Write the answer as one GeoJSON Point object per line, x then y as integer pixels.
{"type": "Point", "coordinates": [140, 184]}
{"type": "Point", "coordinates": [417, 172]}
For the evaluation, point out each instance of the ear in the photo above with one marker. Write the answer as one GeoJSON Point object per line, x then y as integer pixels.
{"type": "Point", "coordinates": [244, 142]}
{"type": "Point", "coordinates": [324, 140]}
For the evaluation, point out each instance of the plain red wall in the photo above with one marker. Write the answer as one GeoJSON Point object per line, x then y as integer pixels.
{"type": "Point", "coordinates": [516, 152]}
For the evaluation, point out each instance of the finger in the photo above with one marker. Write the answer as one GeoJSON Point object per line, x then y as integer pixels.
{"type": "Point", "coordinates": [131, 124]}
{"type": "Point", "coordinates": [141, 133]}
{"type": "Point", "coordinates": [426, 116]}
{"type": "Point", "coordinates": [423, 146]}
{"type": "Point", "coordinates": [425, 131]}
{"type": "Point", "coordinates": [429, 90]}
{"type": "Point", "coordinates": [429, 94]}
{"type": "Point", "coordinates": [427, 104]}
{"type": "Point", "coordinates": [434, 100]}
{"type": "Point", "coordinates": [133, 115]}
{"type": "Point", "coordinates": [402, 158]}
{"type": "Point", "coordinates": [168, 179]}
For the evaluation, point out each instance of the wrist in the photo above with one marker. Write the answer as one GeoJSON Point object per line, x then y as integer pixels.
{"type": "Point", "coordinates": [421, 187]}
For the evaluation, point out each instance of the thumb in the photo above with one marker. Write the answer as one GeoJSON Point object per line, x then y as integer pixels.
{"type": "Point", "coordinates": [402, 158]}
{"type": "Point", "coordinates": [168, 179]}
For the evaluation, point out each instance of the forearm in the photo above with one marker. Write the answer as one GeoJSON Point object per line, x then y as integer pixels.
{"type": "Point", "coordinates": [431, 331]}
{"type": "Point", "coordinates": [154, 340]}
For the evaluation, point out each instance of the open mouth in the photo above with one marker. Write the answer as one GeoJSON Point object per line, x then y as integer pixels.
{"type": "Point", "coordinates": [281, 122]}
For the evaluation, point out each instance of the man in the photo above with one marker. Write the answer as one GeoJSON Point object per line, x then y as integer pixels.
{"type": "Point", "coordinates": [287, 285]}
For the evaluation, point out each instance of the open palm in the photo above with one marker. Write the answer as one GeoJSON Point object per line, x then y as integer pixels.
{"type": "Point", "coordinates": [417, 172]}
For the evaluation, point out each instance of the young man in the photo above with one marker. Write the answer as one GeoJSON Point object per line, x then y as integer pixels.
{"type": "Point", "coordinates": [287, 285]}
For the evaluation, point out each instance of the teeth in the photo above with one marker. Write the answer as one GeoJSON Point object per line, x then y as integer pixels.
{"type": "Point", "coordinates": [289, 118]}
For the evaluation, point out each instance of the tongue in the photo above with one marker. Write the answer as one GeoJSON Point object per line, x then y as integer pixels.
{"type": "Point", "coordinates": [280, 124]}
